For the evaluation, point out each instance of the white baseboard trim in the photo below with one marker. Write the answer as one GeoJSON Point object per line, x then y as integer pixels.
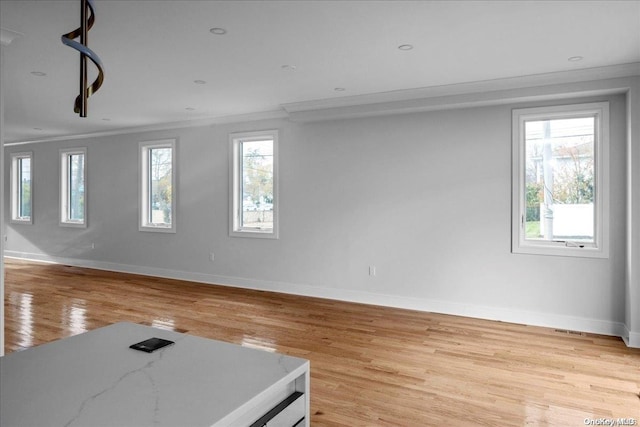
{"type": "Point", "coordinates": [631, 339]}
{"type": "Point", "coordinates": [572, 323]}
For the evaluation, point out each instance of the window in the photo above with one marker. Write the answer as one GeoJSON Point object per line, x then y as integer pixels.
{"type": "Point", "coordinates": [560, 180]}
{"type": "Point", "coordinates": [157, 186]}
{"type": "Point", "coordinates": [21, 187]}
{"type": "Point", "coordinates": [254, 184]}
{"type": "Point", "coordinates": [73, 181]}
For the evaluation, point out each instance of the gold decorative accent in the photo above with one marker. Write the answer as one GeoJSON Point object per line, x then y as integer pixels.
{"type": "Point", "coordinates": [87, 19]}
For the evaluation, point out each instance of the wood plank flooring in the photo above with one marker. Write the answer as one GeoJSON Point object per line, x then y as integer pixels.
{"type": "Point", "coordinates": [370, 366]}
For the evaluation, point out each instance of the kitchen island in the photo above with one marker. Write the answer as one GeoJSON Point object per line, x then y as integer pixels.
{"type": "Point", "coordinates": [95, 379]}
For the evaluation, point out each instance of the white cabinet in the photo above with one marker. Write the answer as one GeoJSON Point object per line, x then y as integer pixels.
{"type": "Point", "coordinates": [288, 413]}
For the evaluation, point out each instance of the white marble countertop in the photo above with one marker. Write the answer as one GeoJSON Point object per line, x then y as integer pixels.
{"type": "Point", "coordinates": [95, 379]}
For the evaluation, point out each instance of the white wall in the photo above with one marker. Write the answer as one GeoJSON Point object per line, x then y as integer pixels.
{"type": "Point", "coordinates": [6, 37]}
{"type": "Point", "coordinates": [632, 282]}
{"type": "Point", "coordinates": [424, 197]}
{"type": "Point", "coordinates": [2, 47]}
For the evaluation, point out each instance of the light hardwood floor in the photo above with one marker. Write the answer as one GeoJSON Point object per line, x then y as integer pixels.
{"type": "Point", "coordinates": [370, 365]}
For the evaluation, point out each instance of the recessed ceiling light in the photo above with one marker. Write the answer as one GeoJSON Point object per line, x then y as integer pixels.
{"type": "Point", "coordinates": [38, 73]}
{"type": "Point", "coordinates": [289, 67]}
{"type": "Point", "coordinates": [575, 58]}
{"type": "Point", "coordinates": [405, 47]}
{"type": "Point", "coordinates": [200, 82]}
{"type": "Point", "coordinates": [218, 31]}
{"type": "Point", "coordinates": [339, 89]}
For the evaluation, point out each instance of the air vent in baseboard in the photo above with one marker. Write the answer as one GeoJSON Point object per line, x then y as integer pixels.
{"type": "Point", "coordinates": [565, 331]}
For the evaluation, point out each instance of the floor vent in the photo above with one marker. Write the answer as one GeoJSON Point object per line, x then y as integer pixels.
{"type": "Point", "coordinates": [565, 331]}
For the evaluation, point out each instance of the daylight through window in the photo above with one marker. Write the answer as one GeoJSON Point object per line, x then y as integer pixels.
{"type": "Point", "coordinates": [560, 182]}
{"type": "Point", "coordinates": [157, 207]}
{"type": "Point", "coordinates": [254, 204]}
{"type": "Point", "coordinates": [21, 187]}
{"type": "Point", "coordinates": [73, 187]}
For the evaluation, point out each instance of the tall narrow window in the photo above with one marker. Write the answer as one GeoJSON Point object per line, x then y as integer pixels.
{"type": "Point", "coordinates": [254, 184]}
{"type": "Point", "coordinates": [21, 187]}
{"type": "Point", "coordinates": [157, 186]}
{"type": "Point", "coordinates": [560, 180]}
{"type": "Point", "coordinates": [73, 180]}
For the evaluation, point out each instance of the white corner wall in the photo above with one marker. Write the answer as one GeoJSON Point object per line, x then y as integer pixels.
{"type": "Point", "coordinates": [6, 37]}
{"type": "Point", "coordinates": [2, 44]}
{"type": "Point", "coordinates": [632, 283]}
{"type": "Point", "coordinates": [424, 197]}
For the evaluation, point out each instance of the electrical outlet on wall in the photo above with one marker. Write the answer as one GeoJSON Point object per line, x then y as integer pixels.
{"type": "Point", "coordinates": [372, 270]}
{"type": "Point", "coordinates": [212, 256]}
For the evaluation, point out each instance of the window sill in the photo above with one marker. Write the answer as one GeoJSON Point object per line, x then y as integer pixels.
{"type": "Point", "coordinates": [559, 249]}
{"type": "Point", "coordinates": [254, 234]}
{"type": "Point", "coordinates": [21, 221]}
{"type": "Point", "coordinates": [157, 229]}
{"type": "Point", "coordinates": [73, 224]}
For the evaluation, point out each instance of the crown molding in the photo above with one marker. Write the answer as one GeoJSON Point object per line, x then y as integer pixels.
{"type": "Point", "coordinates": [211, 121]}
{"type": "Point", "coordinates": [7, 36]}
{"type": "Point", "coordinates": [488, 92]}
{"type": "Point", "coordinates": [539, 87]}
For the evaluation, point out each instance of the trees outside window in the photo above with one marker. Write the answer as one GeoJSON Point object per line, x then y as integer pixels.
{"type": "Point", "coordinates": [560, 180]}
{"type": "Point", "coordinates": [157, 186]}
{"type": "Point", "coordinates": [73, 187]}
{"type": "Point", "coordinates": [254, 197]}
{"type": "Point", "coordinates": [21, 187]}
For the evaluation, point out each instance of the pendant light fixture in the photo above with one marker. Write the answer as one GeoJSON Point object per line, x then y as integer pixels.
{"type": "Point", "coordinates": [87, 18]}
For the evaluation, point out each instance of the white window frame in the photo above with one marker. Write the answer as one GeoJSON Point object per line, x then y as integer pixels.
{"type": "Point", "coordinates": [143, 206]}
{"type": "Point", "coordinates": [16, 218]}
{"type": "Point", "coordinates": [600, 247]}
{"type": "Point", "coordinates": [235, 193]}
{"type": "Point", "coordinates": [65, 178]}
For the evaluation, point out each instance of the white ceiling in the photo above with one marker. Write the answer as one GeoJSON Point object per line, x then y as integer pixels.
{"type": "Point", "coordinates": [153, 51]}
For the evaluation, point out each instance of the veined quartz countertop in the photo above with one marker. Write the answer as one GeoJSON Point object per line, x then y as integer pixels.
{"type": "Point", "coordinates": [95, 379]}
